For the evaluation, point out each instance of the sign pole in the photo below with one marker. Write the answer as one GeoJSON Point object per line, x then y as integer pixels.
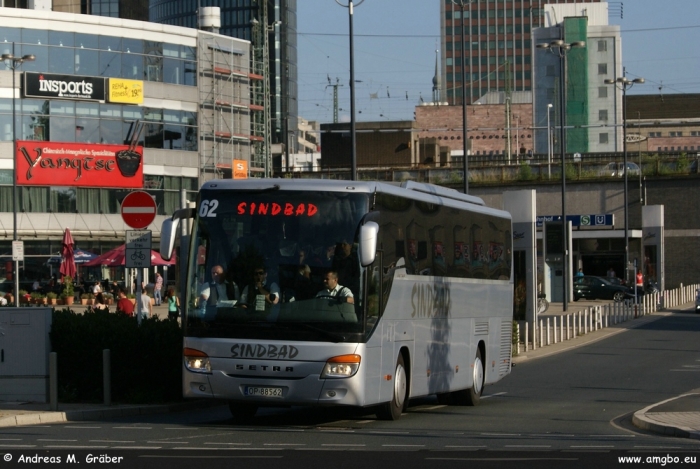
{"type": "Point", "coordinates": [138, 296]}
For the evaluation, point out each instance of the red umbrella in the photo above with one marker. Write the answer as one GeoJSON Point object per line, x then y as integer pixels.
{"type": "Point", "coordinates": [116, 257]}
{"type": "Point", "coordinates": [68, 262]}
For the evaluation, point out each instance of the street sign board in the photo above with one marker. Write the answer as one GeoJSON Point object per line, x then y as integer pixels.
{"type": "Point", "coordinates": [580, 220]}
{"type": "Point", "coordinates": [18, 250]}
{"type": "Point", "coordinates": [138, 209]}
{"type": "Point", "coordinates": [138, 249]}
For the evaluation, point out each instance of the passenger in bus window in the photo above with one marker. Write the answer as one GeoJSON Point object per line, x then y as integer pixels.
{"type": "Point", "coordinates": [261, 295]}
{"type": "Point", "coordinates": [334, 289]}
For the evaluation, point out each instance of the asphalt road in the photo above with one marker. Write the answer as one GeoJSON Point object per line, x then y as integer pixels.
{"type": "Point", "coordinates": [571, 409]}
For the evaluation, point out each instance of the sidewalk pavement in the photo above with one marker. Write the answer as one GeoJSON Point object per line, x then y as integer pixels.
{"type": "Point", "coordinates": [678, 416]}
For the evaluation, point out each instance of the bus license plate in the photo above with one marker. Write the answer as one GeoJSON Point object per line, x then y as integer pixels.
{"type": "Point", "coordinates": [263, 392]}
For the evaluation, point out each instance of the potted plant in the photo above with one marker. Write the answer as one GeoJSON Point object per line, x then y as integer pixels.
{"type": "Point", "coordinates": [68, 293]}
{"type": "Point", "coordinates": [51, 298]}
{"type": "Point", "coordinates": [37, 298]}
{"type": "Point", "coordinates": [24, 296]}
{"type": "Point", "coordinates": [131, 298]}
{"type": "Point", "coordinates": [84, 298]}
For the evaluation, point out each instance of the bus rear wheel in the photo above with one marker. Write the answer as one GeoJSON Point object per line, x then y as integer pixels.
{"type": "Point", "coordinates": [392, 410]}
{"type": "Point", "coordinates": [471, 396]}
{"type": "Point", "coordinates": [241, 412]}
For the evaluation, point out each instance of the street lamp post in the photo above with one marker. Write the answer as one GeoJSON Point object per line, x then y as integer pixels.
{"type": "Point", "coordinates": [625, 84]}
{"type": "Point", "coordinates": [13, 63]}
{"type": "Point", "coordinates": [549, 144]}
{"type": "Point", "coordinates": [353, 148]}
{"type": "Point", "coordinates": [561, 49]}
{"type": "Point", "coordinates": [465, 145]}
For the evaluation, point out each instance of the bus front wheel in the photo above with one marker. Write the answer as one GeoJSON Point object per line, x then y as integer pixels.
{"type": "Point", "coordinates": [392, 410]}
{"type": "Point", "coordinates": [242, 412]}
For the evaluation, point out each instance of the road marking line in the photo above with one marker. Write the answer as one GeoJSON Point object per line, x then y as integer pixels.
{"type": "Point", "coordinates": [405, 446]}
{"type": "Point", "coordinates": [206, 443]}
{"type": "Point", "coordinates": [284, 444]}
{"type": "Point", "coordinates": [494, 395]}
{"type": "Point", "coordinates": [341, 444]}
{"type": "Point", "coordinates": [136, 447]}
{"type": "Point", "coordinates": [76, 447]}
{"type": "Point", "coordinates": [50, 439]}
{"type": "Point", "coordinates": [17, 446]}
{"type": "Point", "coordinates": [389, 433]}
{"type": "Point", "coordinates": [365, 421]}
{"type": "Point", "coordinates": [592, 446]}
{"type": "Point", "coordinates": [528, 446]}
{"type": "Point", "coordinates": [132, 428]}
{"type": "Point", "coordinates": [77, 426]}
{"type": "Point", "coordinates": [165, 442]}
{"type": "Point", "coordinates": [432, 408]}
{"type": "Point", "coordinates": [111, 441]}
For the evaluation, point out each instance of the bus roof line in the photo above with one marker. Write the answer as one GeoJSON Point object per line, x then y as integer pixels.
{"type": "Point", "coordinates": [441, 192]}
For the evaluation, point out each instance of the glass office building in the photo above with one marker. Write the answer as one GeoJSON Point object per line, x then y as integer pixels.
{"type": "Point", "coordinates": [497, 44]}
{"type": "Point", "coordinates": [193, 108]}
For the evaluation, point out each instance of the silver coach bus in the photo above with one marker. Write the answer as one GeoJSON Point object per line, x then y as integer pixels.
{"type": "Point", "coordinates": [429, 271]}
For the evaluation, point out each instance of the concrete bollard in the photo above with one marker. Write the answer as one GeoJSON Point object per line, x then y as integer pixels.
{"type": "Point", "coordinates": [541, 333]}
{"type": "Point", "coordinates": [561, 329]}
{"type": "Point", "coordinates": [568, 333]}
{"type": "Point", "coordinates": [548, 334]}
{"type": "Point", "coordinates": [53, 381]}
{"type": "Point", "coordinates": [527, 327]}
{"type": "Point", "coordinates": [107, 377]}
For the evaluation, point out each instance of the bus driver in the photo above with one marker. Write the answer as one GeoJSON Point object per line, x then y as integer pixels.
{"type": "Point", "coordinates": [333, 289]}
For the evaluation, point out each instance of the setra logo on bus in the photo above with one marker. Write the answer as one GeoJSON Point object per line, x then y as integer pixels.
{"type": "Point", "coordinates": [264, 351]}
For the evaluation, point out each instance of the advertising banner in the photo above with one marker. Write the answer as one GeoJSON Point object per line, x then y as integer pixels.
{"type": "Point", "coordinates": [51, 85]}
{"type": "Point", "coordinates": [125, 91]}
{"type": "Point", "coordinates": [78, 164]}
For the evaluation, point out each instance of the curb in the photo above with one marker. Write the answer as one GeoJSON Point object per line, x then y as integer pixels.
{"type": "Point", "coordinates": [586, 339]}
{"type": "Point", "coordinates": [38, 418]}
{"type": "Point", "coordinates": [640, 419]}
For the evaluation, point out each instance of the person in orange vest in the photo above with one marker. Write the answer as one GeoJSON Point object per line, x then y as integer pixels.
{"type": "Point", "coordinates": [640, 279]}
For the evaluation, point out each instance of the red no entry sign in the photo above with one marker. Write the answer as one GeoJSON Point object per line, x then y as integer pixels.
{"type": "Point", "coordinates": [138, 209]}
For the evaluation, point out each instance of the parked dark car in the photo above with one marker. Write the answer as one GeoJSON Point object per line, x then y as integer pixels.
{"type": "Point", "coordinates": [592, 287]}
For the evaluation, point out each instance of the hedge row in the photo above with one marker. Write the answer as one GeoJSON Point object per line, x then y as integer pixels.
{"type": "Point", "coordinates": [146, 360]}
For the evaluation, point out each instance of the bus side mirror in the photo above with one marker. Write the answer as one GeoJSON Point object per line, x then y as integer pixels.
{"type": "Point", "coordinates": [168, 231]}
{"type": "Point", "coordinates": [368, 243]}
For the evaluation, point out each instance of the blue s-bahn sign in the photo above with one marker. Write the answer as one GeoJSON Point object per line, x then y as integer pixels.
{"type": "Point", "coordinates": [580, 220]}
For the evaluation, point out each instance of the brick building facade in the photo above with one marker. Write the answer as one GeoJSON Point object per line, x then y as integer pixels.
{"type": "Point", "coordinates": [486, 127]}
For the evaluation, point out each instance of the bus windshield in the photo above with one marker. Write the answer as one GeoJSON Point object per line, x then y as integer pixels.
{"type": "Point", "coordinates": [260, 263]}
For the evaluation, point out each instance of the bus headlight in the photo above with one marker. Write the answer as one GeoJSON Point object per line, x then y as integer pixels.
{"type": "Point", "coordinates": [342, 366]}
{"type": "Point", "coordinates": [197, 361]}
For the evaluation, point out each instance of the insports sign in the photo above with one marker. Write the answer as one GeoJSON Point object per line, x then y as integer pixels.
{"type": "Point", "coordinates": [49, 85]}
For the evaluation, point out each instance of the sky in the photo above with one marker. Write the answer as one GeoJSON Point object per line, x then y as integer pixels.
{"type": "Point", "coordinates": [394, 53]}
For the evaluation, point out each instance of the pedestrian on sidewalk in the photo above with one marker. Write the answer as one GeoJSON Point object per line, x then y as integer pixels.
{"type": "Point", "coordinates": [146, 305]}
{"type": "Point", "coordinates": [579, 273]}
{"type": "Point", "coordinates": [173, 304]}
{"type": "Point", "coordinates": [158, 289]}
